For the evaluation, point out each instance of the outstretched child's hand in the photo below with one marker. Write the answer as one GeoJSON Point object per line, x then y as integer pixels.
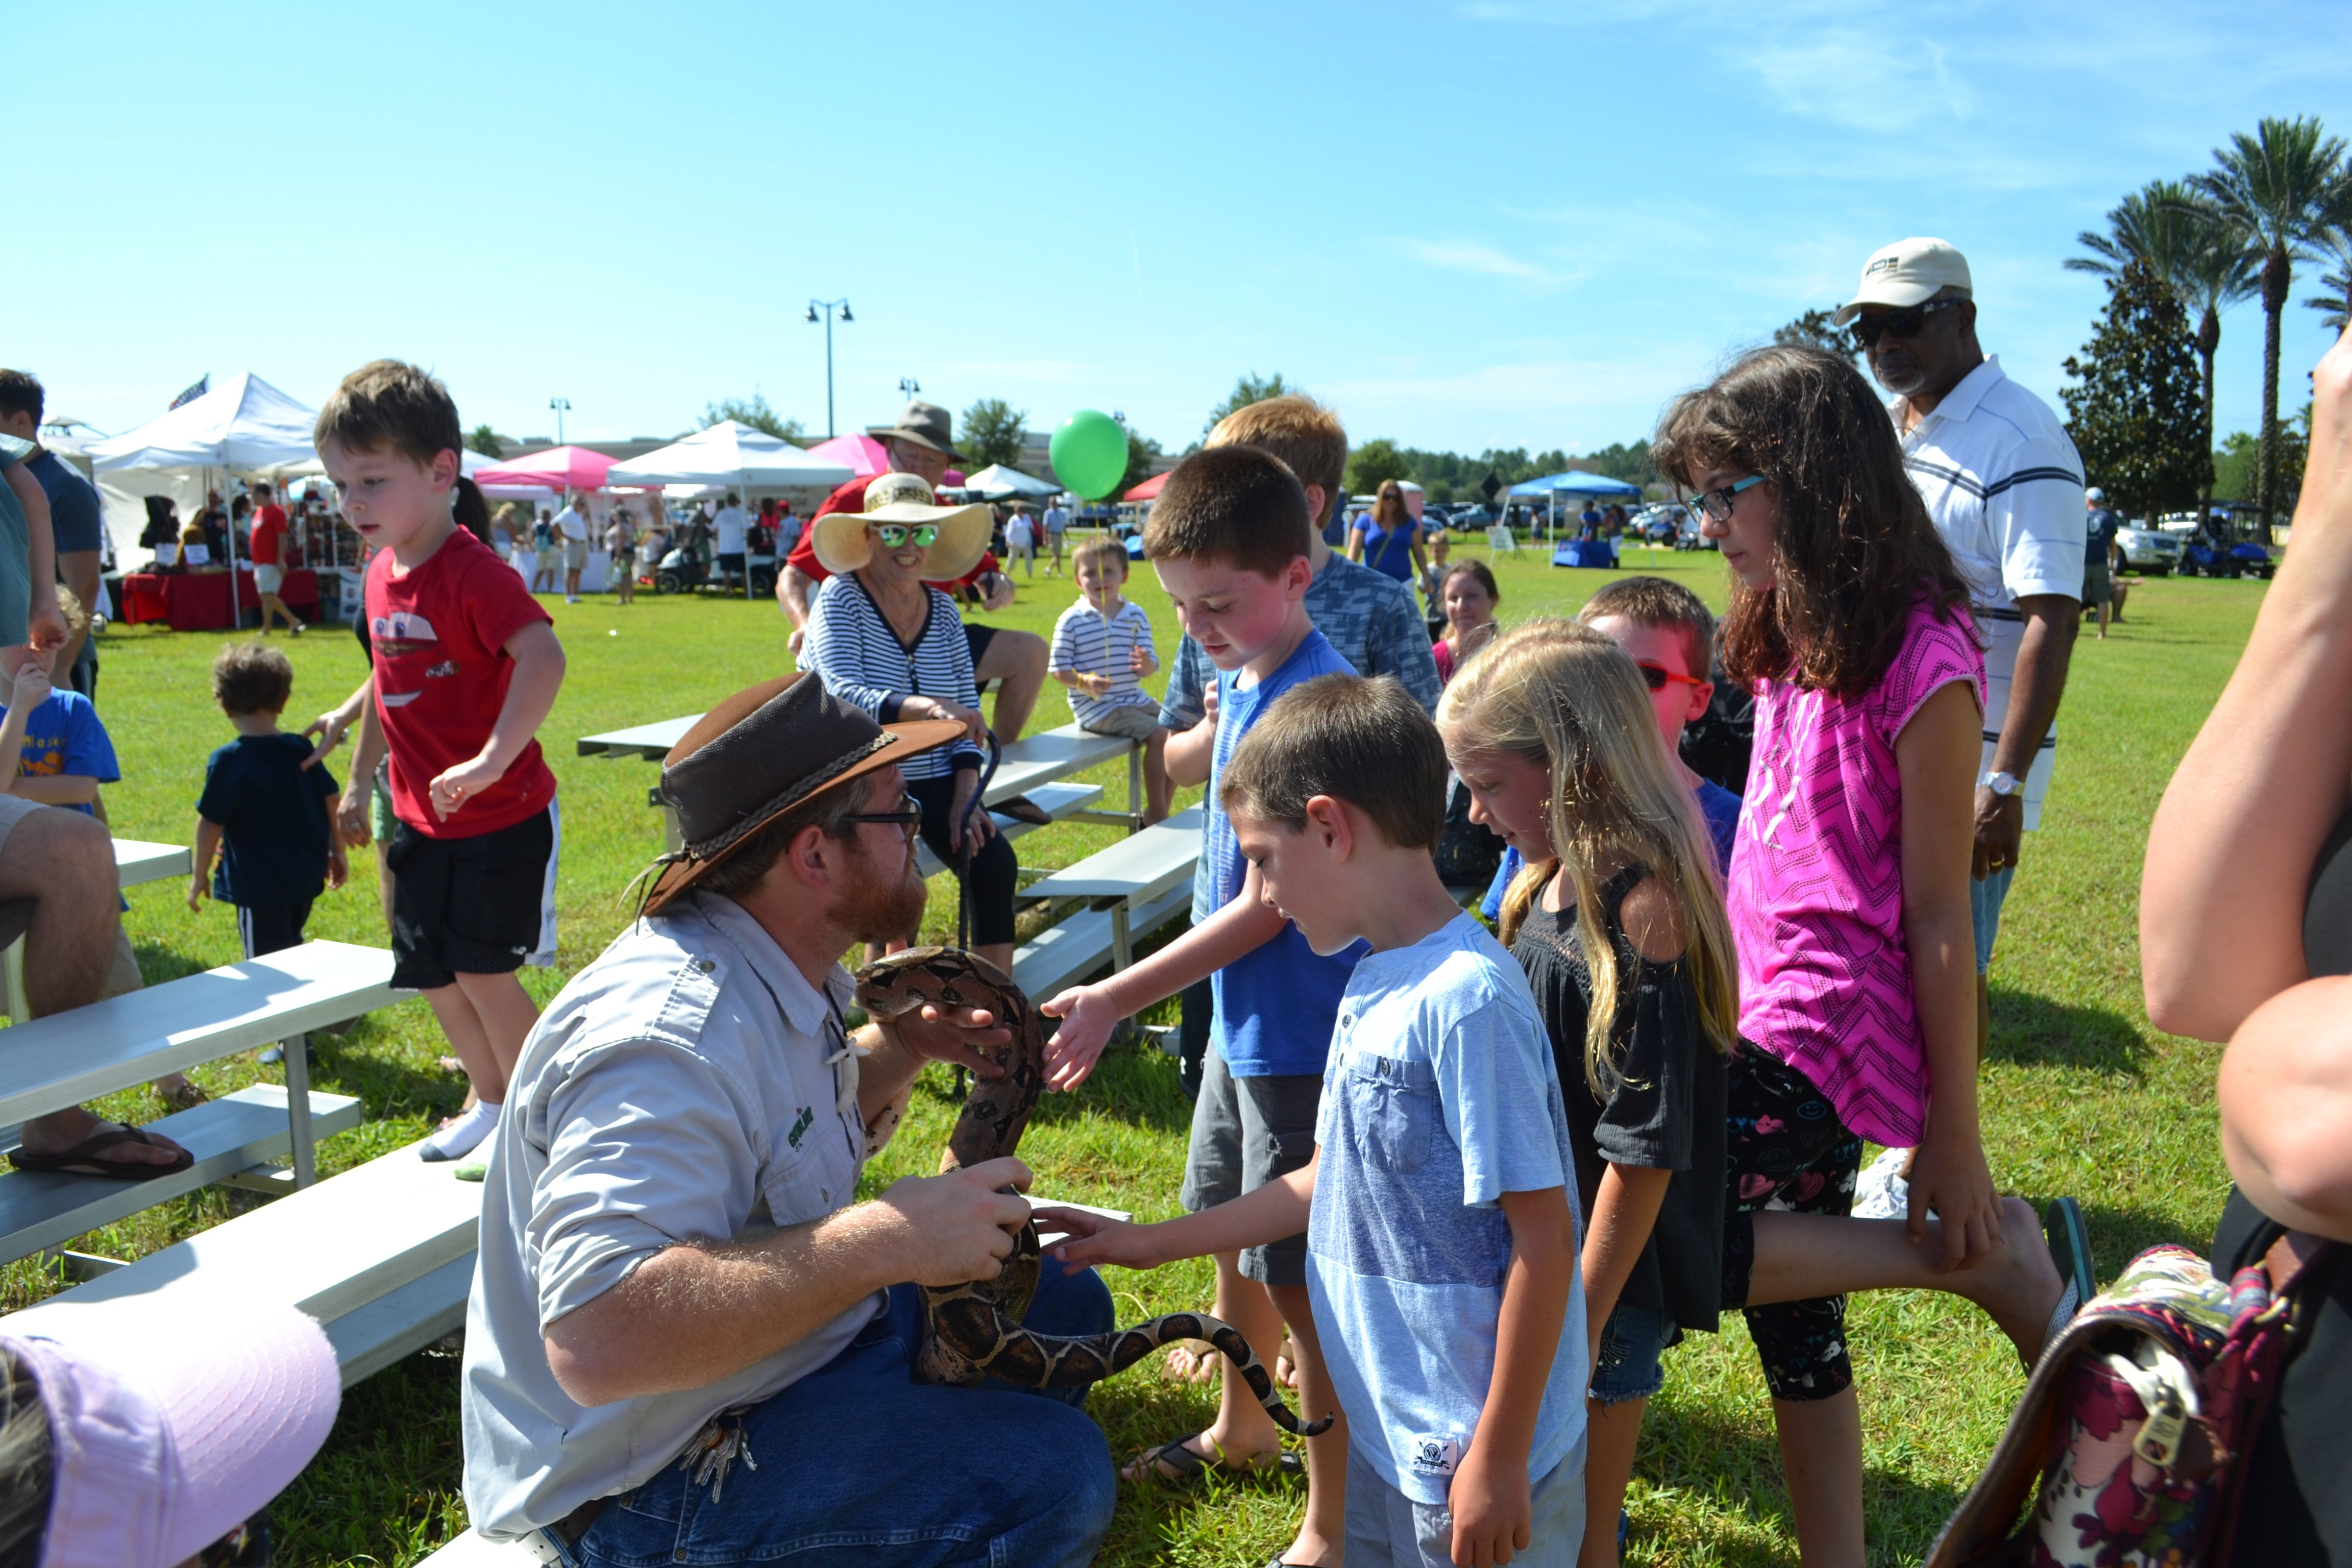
{"type": "Point", "coordinates": [454, 789]}
{"type": "Point", "coordinates": [1094, 1239]}
{"type": "Point", "coordinates": [1494, 1515]}
{"type": "Point", "coordinates": [1087, 1022]}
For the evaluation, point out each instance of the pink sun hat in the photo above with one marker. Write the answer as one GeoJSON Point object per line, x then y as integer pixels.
{"type": "Point", "coordinates": [172, 1422]}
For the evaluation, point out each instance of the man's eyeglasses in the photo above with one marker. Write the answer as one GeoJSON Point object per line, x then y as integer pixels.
{"type": "Point", "coordinates": [1657, 677]}
{"type": "Point", "coordinates": [910, 816]}
{"type": "Point", "coordinates": [893, 535]}
{"type": "Point", "coordinates": [1904, 323]}
{"type": "Point", "coordinates": [1716, 504]}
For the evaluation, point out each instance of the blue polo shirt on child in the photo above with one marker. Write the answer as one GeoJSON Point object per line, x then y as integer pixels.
{"type": "Point", "coordinates": [63, 736]}
{"type": "Point", "coordinates": [272, 812]}
{"type": "Point", "coordinates": [1275, 1003]}
{"type": "Point", "coordinates": [1440, 1096]}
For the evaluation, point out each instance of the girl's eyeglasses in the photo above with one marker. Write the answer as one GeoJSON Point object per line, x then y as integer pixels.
{"type": "Point", "coordinates": [894, 535]}
{"type": "Point", "coordinates": [910, 816]}
{"type": "Point", "coordinates": [1902, 323]}
{"type": "Point", "coordinates": [1716, 504]}
{"type": "Point", "coordinates": [1657, 677]}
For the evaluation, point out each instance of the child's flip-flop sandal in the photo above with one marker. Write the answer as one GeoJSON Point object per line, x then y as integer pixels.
{"type": "Point", "coordinates": [2069, 1239]}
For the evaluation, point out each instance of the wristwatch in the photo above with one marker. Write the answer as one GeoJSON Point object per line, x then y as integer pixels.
{"type": "Point", "coordinates": [2000, 784]}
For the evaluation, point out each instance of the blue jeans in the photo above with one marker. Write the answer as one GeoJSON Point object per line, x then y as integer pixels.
{"type": "Point", "coordinates": [858, 1464]}
{"type": "Point", "coordinates": [1985, 899]}
{"type": "Point", "coordinates": [1633, 1350]}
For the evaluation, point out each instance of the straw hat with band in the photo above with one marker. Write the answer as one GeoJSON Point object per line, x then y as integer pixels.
{"type": "Point", "coordinates": [924, 425]}
{"type": "Point", "coordinates": [843, 545]}
{"type": "Point", "coordinates": [762, 752]}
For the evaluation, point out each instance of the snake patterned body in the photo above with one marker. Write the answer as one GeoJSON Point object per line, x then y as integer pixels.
{"type": "Point", "coordinates": [974, 1331]}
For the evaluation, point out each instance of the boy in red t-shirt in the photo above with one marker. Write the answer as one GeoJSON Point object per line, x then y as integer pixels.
{"type": "Point", "coordinates": [466, 667]}
{"type": "Point", "coordinates": [268, 546]}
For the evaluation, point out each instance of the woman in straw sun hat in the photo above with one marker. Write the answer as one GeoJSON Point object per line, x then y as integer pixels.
{"type": "Point", "coordinates": [883, 640]}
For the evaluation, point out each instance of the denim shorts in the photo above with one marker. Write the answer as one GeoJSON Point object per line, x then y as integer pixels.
{"type": "Point", "coordinates": [1985, 899]}
{"type": "Point", "coordinates": [1632, 1349]}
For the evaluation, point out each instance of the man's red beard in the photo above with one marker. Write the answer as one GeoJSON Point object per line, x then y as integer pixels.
{"type": "Point", "coordinates": [886, 901]}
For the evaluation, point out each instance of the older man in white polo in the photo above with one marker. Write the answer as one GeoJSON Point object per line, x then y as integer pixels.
{"type": "Point", "coordinates": [2004, 485]}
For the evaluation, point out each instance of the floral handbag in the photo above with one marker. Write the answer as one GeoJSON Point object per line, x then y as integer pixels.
{"type": "Point", "coordinates": [2130, 1445]}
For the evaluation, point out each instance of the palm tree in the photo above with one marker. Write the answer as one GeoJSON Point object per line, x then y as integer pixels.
{"type": "Point", "coordinates": [2336, 304]}
{"type": "Point", "coordinates": [2274, 193]}
{"type": "Point", "coordinates": [2151, 225]}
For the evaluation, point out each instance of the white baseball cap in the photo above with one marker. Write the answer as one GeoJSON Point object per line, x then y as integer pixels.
{"type": "Point", "coordinates": [172, 1422]}
{"type": "Point", "coordinates": [1907, 272]}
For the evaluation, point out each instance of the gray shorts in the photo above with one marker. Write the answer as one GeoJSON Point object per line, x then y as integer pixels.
{"type": "Point", "coordinates": [2098, 586]}
{"type": "Point", "coordinates": [1387, 1529]}
{"type": "Point", "coordinates": [1137, 723]}
{"type": "Point", "coordinates": [14, 809]}
{"type": "Point", "coordinates": [575, 555]}
{"type": "Point", "coordinates": [1246, 1133]}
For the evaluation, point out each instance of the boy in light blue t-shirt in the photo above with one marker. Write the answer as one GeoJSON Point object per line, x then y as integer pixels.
{"type": "Point", "coordinates": [1441, 1245]}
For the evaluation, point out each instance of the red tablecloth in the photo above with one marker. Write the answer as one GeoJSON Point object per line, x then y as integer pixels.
{"type": "Point", "coordinates": [198, 601]}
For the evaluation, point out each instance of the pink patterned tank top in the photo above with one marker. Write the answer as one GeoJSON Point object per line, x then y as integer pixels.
{"type": "Point", "coordinates": [1816, 893]}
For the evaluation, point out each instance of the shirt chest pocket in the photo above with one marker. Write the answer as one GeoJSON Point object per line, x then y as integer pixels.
{"type": "Point", "coordinates": [1392, 1106]}
{"type": "Point", "coordinates": [817, 1176]}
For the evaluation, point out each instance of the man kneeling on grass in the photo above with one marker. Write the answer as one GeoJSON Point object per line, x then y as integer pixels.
{"type": "Point", "coordinates": [687, 1341]}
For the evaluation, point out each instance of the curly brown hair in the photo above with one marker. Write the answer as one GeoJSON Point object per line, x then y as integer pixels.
{"type": "Point", "coordinates": [1854, 549]}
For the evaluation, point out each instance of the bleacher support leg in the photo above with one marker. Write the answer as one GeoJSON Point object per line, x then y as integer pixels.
{"type": "Point", "coordinates": [297, 1108]}
{"type": "Point", "coordinates": [1122, 950]}
{"type": "Point", "coordinates": [1134, 788]}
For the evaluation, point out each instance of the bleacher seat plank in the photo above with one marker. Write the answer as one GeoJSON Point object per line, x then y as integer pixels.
{"type": "Point", "coordinates": [650, 742]}
{"type": "Point", "coordinates": [1051, 754]}
{"type": "Point", "coordinates": [1065, 954]}
{"type": "Point", "coordinates": [1058, 801]}
{"type": "Point", "coordinates": [136, 861]}
{"type": "Point", "coordinates": [1138, 867]}
{"type": "Point", "coordinates": [41, 1209]}
{"type": "Point", "coordinates": [48, 1064]}
{"type": "Point", "coordinates": [403, 1321]}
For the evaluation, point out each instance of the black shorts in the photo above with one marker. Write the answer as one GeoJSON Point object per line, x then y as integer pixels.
{"type": "Point", "coordinates": [977, 637]}
{"type": "Point", "coordinates": [482, 905]}
{"type": "Point", "coordinates": [731, 564]}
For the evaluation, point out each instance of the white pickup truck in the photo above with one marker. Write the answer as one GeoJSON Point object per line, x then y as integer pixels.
{"type": "Point", "coordinates": [2146, 547]}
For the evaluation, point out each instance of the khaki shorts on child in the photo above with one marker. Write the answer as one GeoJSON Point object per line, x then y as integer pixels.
{"type": "Point", "coordinates": [1137, 721]}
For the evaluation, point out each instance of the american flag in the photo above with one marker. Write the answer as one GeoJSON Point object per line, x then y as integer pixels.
{"type": "Point", "coordinates": [201, 385]}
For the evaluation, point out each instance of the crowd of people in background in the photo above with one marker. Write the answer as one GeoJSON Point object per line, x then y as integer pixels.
{"type": "Point", "coordinates": [1477, 1183]}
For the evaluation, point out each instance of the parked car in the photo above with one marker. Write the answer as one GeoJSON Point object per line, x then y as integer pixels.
{"type": "Point", "coordinates": [1665, 524]}
{"type": "Point", "coordinates": [1475, 518]}
{"type": "Point", "coordinates": [2146, 548]}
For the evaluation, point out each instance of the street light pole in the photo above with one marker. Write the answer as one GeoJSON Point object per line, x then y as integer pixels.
{"type": "Point", "coordinates": [829, 307]}
{"type": "Point", "coordinates": [560, 405]}
{"type": "Point", "coordinates": [909, 388]}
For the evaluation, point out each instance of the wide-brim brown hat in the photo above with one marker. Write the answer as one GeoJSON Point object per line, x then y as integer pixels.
{"type": "Point", "coordinates": [762, 752]}
{"type": "Point", "coordinates": [927, 425]}
{"type": "Point", "coordinates": [841, 545]}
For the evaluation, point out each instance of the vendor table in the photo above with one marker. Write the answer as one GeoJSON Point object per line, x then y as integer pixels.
{"type": "Point", "coordinates": [198, 601]}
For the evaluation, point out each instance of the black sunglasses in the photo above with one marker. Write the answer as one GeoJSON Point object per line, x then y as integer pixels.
{"type": "Point", "coordinates": [1905, 323]}
{"type": "Point", "coordinates": [909, 817]}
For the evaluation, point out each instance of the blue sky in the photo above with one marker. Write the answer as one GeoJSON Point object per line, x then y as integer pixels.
{"type": "Point", "coordinates": [1500, 223]}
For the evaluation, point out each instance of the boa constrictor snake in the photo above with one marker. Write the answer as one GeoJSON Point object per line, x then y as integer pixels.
{"type": "Point", "coordinates": [974, 1331]}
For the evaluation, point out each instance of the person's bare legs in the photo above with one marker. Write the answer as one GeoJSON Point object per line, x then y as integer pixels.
{"type": "Point", "coordinates": [1018, 659]}
{"type": "Point", "coordinates": [271, 605]}
{"type": "Point", "coordinates": [1323, 1532]}
{"type": "Point", "coordinates": [1820, 1454]}
{"type": "Point", "coordinates": [1610, 1432]}
{"type": "Point", "coordinates": [64, 861]}
{"type": "Point", "coordinates": [505, 1013]}
{"type": "Point", "coordinates": [1158, 793]}
{"type": "Point", "coordinates": [1243, 1433]}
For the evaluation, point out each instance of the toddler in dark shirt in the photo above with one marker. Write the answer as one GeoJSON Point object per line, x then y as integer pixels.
{"type": "Point", "coordinates": [265, 815]}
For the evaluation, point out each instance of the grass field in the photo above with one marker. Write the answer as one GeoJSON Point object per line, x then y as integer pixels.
{"type": "Point", "coordinates": [2081, 1096]}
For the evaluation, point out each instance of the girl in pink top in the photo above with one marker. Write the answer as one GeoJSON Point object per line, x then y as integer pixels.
{"type": "Point", "coordinates": [1849, 906]}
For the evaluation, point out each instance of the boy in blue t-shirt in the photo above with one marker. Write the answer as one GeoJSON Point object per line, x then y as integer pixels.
{"type": "Point", "coordinates": [1229, 538]}
{"type": "Point", "coordinates": [264, 807]}
{"type": "Point", "coordinates": [1669, 634]}
{"type": "Point", "coordinates": [1441, 1234]}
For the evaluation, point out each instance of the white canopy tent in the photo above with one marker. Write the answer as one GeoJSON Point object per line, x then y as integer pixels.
{"type": "Point", "coordinates": [731, 455]}
{"type": "Point", "coordinates": [999, 482]}
{"type": "Point", "coordinates": [244, 426]}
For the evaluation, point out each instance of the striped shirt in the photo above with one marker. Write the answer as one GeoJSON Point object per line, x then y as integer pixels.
{"type": "Point", "coordinates": [861, 661]}
{"type": "Point", "coordinates": [1086, 642]}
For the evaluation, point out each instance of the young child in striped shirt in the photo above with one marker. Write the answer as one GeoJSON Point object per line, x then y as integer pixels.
{"type": "Point", "coordinates": [1102, 649]}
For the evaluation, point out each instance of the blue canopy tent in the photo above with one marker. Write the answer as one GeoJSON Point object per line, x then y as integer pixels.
{"type": "Point", "coordinates": [1580, 483]}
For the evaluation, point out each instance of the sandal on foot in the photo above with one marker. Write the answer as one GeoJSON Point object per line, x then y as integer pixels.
{"type": "Point", "coordinates": [2069, 1240]}
{"type": "Point", "coordinates": [1021, 808]}
{"type": "Point", "coordinates": [1190, 1466]}
{"type": "Point", "coordinates": [83, 1158]}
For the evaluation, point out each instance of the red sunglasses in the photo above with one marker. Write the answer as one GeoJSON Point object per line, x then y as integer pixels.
{"type": "Point", "coordinates": [1656, 676]}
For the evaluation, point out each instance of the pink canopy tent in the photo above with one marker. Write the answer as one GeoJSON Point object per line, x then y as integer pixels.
{"type": "Point", "coordinates": [558, 468]}
{"type": "Point", "coordinates": [863, 456]}
{"type": "Point", "coordinates": [1148, 490]}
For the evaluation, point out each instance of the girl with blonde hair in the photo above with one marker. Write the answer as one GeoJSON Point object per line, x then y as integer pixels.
{"type": "Point", "coordinates": [1619, 921]}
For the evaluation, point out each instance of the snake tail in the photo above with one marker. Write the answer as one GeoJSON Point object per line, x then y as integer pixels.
{"type": "Point", "coordinates": [1043, 1360]}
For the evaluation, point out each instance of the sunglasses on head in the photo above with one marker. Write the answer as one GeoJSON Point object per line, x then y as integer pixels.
{"type": "Point", "coordinates": [894, 535]}
{"type": "Point", "coordinates": [1904, 323]}
{"type": "Point", "coordinates": [1657, 677]}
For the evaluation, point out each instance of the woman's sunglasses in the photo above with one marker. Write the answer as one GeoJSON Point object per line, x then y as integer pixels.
{"type": "Point", "coordinates": [910, 816]}
{"type": "Point", "coordinates": [1902, 323]}
{"type": "Point", "coordinates": [894, 535]}
{"type": "Point", "coordinates": [1657, 677]}
{"type": "Point", "coordinates": [1716, 504]}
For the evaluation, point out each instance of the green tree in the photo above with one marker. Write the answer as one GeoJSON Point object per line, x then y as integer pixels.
{"type": "Point", "coordinates": [991, 433]}
{"type": "Point", "coordinates": [1374, 461]}
{"type": "Point", "coordinates": [2336, 245]}
{"type": "Point", "coordinates": [1248, 389]}
{"type": "Point", "coordinates": [2237, 461]}
{"type": "Point", "coordinates": [755, 413]}
{"type": "Point", "coordinates": [2135, 412]}
{"type": "Point", "coordinates": [486, 441]}
{"type": "Point", "coordinates": [2274, 191]}
{"type": "Point", "coordinates": [1140, 452]}
{"type": "Point", "coordinates": [1814, 330]}
{"type": "Point", "coordinates": [2180, 233]}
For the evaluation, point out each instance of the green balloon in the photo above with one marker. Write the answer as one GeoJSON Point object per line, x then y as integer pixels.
{"type": "Point", "coordinates": [1089, 454]}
